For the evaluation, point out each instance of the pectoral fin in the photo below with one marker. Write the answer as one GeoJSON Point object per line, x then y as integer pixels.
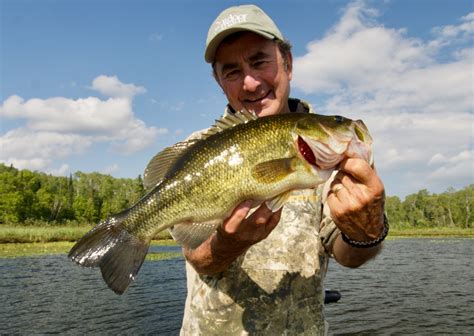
{"type": "Point", "coordinates": [273, 171]}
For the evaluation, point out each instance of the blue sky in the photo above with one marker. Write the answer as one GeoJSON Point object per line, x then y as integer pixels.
{"type": "Point", "coordinates": [104, 85]}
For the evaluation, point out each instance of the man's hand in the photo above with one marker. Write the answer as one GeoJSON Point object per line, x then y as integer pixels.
{"type": "Point", "coordinates": [233, 238]}
{"type": "Point", "coordinates": [357, 200]}
{"type": "Point", "coordinates": [251, 230]}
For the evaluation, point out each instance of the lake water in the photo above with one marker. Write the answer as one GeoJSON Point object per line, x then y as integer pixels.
{"type": "Point", "coordinates": [415, 286]}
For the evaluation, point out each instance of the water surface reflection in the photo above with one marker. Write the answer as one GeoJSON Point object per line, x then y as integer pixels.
{"type": "Point", "coordinates": [416, 286]}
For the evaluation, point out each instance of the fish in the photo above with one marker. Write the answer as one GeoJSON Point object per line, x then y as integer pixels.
{"type": "Point", "coordinates": [194, 185]}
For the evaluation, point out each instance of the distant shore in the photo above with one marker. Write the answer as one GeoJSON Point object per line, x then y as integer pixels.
{"type": "Point", "coordinates": [451, 232]}
{"type": "Point", "coordinates": [47, 234]}
{"type": "Point", "coordinates": [16, 250]}
{"type": "Point", "coordinates": [22, 241]}
{"type": "Point", "coordinates": [25, 241]}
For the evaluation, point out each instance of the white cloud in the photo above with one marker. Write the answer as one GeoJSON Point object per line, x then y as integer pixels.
{"type": "Point", "coordinates": [24, 142]}
{"type": "Point", "coordinates": [61, 171]}
{"type": "Point", "coordinates": [111, 86]}
{"type": "Point", "coordinates": [137, 137]}
{"type": "Point", "coordinates": [460, 166]}
{"type": "Point", "coordinates": [34, 150]}
{"type": "Point", "coordinates": [111, 169]}
{"type": "Point", "coordinates": [437, 158]}
{"type": "Point", "coordinates": [419, 109]}
{"type": "Point", "coordinates": [451, 34]}
{"type": "Point", "coordinates": [59, 127]}
{"type": "Point", "coordinates": [85, 115]}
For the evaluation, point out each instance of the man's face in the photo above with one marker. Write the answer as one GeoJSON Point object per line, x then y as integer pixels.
{"type": "Point", "coordinates": [251, 71]}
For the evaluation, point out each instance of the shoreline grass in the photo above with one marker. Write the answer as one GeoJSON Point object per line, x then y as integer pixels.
{"type": "Point", "coordinates": [43, 234]}
{"type": "Point", "coordinates": [18, 250]}
{"type": "Point", "coordinates": [46, 234]}
{"type": "Point", "coordinates": [40, 234]}
{"type": "Point", "coordinates": [431, 232]}
{"type": "Point", "coordinates": [21, 241]}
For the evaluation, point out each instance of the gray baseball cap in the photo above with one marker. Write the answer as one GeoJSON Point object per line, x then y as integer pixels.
{"type": "Point", "coordinates": [239, 18]}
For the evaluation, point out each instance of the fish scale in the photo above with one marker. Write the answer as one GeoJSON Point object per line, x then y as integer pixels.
{"type": "Point", "coordinates": [214, 199]}
{"type": "Point", "coordinates": [195, 185]}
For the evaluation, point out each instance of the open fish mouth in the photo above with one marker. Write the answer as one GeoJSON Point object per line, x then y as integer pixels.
{"type": "Point", "coordinates": [318, 154]}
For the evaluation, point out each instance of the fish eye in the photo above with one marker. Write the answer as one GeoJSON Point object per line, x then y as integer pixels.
{"type": "Point", "coordinates": [338, 119]}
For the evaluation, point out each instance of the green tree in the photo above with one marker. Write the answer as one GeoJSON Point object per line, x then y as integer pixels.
{"type": "Point", "coordinates": [26, 197]}
{"type": "Point", "coordinates": [394, 209]}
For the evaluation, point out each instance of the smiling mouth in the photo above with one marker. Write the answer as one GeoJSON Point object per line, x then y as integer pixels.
{"type": "Point", "coordinates": [258, 99]}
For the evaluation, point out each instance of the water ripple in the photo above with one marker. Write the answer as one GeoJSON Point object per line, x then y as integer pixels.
{"type": "Point", "coordinates": [414, 287]}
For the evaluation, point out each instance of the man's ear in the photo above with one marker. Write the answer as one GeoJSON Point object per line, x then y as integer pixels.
{"type": "Point", "coordinates": [289, 65]}
{"type": "Point", "coordinates": [214, 74]}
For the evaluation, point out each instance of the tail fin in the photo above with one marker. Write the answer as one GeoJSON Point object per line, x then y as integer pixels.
{"type": "Point", "coordinates": [118, 253]}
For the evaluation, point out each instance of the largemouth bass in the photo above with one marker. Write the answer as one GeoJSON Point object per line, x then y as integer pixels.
{"type": "Point", "coordinates": [194, 185]}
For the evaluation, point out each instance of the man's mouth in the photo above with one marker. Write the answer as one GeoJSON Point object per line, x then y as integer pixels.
{"type": "Point", "coordinates": [256, 100]}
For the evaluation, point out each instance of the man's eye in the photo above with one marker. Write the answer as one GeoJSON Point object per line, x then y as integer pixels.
{"type": "Point", "coordinates": [259, 63]}
{"type": "Point", "coordinates": [231, 74]}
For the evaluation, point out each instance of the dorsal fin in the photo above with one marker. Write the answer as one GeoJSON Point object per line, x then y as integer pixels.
{"type": "Point", "coordinates": [161, 162]}
{"type": "Point", "coordinates": [159, 165]}
{"type": "Point", "coordinates": [230, 120]}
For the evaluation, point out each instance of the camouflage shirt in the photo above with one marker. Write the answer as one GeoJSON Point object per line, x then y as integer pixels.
{"type": "Point", "coordinates": [276, 287]}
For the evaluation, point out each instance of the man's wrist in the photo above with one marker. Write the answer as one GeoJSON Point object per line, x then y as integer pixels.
{"type": "Point", "coordinates": [215, 255]}
{"type": "Point", "coordinates": [368, 244]}
{"type": "Point", "coordinates": [224, 244]}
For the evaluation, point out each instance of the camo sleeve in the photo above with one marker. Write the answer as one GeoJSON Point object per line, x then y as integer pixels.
{"type": "Point", "coordinates": [328, 231]}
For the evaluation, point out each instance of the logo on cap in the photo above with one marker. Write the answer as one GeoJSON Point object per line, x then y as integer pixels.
{"type": "Point", "coordinates": [229, 21]}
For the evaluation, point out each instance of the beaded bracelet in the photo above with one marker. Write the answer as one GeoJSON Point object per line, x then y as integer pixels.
{"type": "Point", "coordinates": [372, 243]}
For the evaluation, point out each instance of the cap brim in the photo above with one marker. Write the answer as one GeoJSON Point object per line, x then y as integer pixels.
{"type": "Point", "coordinates": [216, 41]}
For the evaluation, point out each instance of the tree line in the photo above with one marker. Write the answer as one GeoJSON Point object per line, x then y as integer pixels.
{"type": "Point", "coordinates": [424, 209]}
{"type": "Point", "coordinates": [34, 198]}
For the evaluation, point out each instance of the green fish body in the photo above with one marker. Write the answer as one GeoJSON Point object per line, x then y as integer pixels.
{"type": "Point", "coordinates": [194, 185]}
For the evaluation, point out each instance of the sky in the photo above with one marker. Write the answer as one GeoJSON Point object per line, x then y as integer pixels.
{"type": "Point", "coordinates": [104, 85]}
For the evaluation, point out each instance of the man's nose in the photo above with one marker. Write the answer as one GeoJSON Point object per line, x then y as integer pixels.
{"type": "Point", "coordinates": [251, 83]}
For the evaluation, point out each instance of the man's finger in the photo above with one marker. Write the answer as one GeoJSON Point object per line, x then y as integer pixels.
{"type": "Point", "coordinates": [237, 216]}
{"type": "Point", "coordinates": [358, 169]}
{"type": "Point", "coordinates": [273, 221]}
{"type": "Point", "coordinates": [261, 215]}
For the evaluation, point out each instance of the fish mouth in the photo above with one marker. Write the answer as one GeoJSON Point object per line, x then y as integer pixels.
{"type": "Point", "coordinates": [317, 153]}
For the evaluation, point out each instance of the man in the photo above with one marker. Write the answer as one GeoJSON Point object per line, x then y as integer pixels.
{"type": "Point", "coordinates": [262, 272]}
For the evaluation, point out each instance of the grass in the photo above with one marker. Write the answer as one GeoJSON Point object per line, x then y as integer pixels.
{"type": "Point", "coordinates": [20, 241]}
{"type": "Point", "coordinates": [35, 234]}
{"type": "Point", "coordinates": [432, 232]}
{"type": "Point", "coordinates": [12, 250]}
{"type": "Point", "coordinates": [41, 234]}
{"type": "Point", "coordinates": [16, 250]}
{"type": "Point", "coordinates": [38, 234]}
